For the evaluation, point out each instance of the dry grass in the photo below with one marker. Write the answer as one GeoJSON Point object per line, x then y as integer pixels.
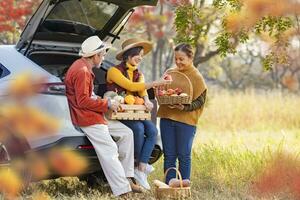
{"type": "Point", "coordinates": [251, 112]}
{"type": "Point", "coordinates": [237, 135]}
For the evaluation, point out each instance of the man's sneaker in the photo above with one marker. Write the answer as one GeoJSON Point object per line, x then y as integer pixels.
{"type": "Point", "coordinates": [134, 187]}
{"type": "Point", "coordinates": [127, 195]}
{"type": "Point", "coordinates": [149, 169]}
{"type": "Point", "coordinates": [141, 179]}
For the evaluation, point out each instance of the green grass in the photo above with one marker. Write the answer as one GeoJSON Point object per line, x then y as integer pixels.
{"type": "Point", "coordinates": [236, 137]}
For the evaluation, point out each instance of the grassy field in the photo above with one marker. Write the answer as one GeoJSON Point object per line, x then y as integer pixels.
{"type": "Point", "coordinates": [238, 135]}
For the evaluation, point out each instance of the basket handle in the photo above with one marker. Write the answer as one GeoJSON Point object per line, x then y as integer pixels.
{"type": "Point", "coordinates": [177, 173]}
{"type": "Point", "coordinates": [188, 79]}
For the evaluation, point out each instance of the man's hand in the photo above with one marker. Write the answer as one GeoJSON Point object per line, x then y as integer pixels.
{"type": "Point", "coordinates": [177, 106]}
{"type": "Point", "coordinates": [114, 105]}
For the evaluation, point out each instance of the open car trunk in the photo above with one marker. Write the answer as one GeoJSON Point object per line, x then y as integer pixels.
{"type": "Point", "coordinates": [53, 36]}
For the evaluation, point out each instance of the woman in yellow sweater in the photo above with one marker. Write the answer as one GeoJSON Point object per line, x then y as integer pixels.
{"type": "Point", "coordinates": [178, 122]}
{"type": "Point", "coordinates": [126, 77]}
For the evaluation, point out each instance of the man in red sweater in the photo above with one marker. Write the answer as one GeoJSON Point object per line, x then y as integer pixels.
{"type": "Point", "coordinates": [87, 112]}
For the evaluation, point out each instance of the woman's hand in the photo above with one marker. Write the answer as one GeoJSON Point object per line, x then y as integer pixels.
{"type": "Point", "coordinates": [149, 105]}
{"type": "Point", "coordinates": [177, 106]}
{"type": "Point", "coordinates": [161, 82]}
{"type": "Point", "coordinates": [157, 83]}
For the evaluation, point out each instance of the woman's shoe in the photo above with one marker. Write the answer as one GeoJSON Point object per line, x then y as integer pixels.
{"type": "Point", "coordinates": [141, 179]}
{"type": "Point", "coordinates": [149, 169]}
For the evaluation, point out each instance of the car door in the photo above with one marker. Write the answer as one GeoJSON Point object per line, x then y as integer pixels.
{"type": "Point", "coordinates": [72, 21]}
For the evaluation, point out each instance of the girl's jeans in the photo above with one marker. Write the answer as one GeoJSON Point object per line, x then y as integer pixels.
{"type": "Point", "coordinates": [145, 134]}
{"type": "Point", "coordinates": [177, 139]}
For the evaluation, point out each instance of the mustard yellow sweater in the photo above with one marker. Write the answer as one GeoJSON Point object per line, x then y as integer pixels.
{"type": "Point", "coordinates": [115, 76]}
{"type": "Point", "coordinates": [188, 117]}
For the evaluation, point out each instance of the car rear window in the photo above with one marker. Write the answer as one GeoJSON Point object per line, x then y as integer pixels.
{"type": "Point", "coordinates": [3, 71]}
{"type": "Point", "coordinates": [91, 13]}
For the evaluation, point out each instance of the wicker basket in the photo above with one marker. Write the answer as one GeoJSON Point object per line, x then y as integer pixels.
{"type": "Point", "coordinates": [180, 80]}
{"type": "Point", "coordinates": [173, 193]}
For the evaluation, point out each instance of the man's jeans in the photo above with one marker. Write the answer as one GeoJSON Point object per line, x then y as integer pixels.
{"type": "Point", "coordinates": [177, 139]}
{"type": "Point", "coordinates": [145, 134]}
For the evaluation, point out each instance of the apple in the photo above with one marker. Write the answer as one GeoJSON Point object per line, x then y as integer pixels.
{"type": "Point", "coordinates": [178, 91]}
{"type": "Point", "coordinates": [160, 93]}
{"type": "Point", "coordinates": [170, 91]}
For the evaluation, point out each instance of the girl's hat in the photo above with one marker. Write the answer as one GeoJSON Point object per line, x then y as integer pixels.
{"type": "Point", "coordinates": [134, 42]}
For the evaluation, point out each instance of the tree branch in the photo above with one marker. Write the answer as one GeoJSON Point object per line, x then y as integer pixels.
{"type": "Point", "coordinates": [202, 59]}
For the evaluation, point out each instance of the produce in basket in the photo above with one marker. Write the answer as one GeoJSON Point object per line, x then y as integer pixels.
{"type": "Point", "coordinates": [139, 101]}
{"type": "Point", "coordinates": [129, 99]}
{"type": "Point", "coordinates": [171, 92]}
{"type": "Point", "coordinates": [119, 98]}
{"type": "Point", "coordinates": [110, 94]}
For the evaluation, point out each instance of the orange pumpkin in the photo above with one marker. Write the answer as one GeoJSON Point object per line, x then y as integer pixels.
{"type": "Point", "coordinates": [139, 101]}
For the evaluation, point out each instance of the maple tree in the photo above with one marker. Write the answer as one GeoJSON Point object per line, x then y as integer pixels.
{"type": "Point", "coordinates": [13, 17]}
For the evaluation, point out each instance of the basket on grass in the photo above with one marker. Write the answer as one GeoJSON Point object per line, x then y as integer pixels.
{"type": "Point", "coordinates": [173, 193]}
{"type": "Point", "coordinates": [180, 91]}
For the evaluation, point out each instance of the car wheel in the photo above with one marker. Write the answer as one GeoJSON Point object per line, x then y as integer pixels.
{"type": "Point", "coordinates": [4, 156]}
{"type": "Point", "coordinates": [93, 180]}
{"type": "Point", "coordinates": [156, 154]}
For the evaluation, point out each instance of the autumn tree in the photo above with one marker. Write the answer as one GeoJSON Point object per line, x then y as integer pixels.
{"type": "Point", "coordinates": [13, 17]}
{"type": "Point", "coordinates": [156, 24]}
{"type": "Point", "coordinates": [196, 23]}
{"type": "Point", "coordinates": [222, 26]}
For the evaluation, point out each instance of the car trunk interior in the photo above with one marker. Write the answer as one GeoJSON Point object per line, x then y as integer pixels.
{"type": "Point", "coordinates": [58, 63]}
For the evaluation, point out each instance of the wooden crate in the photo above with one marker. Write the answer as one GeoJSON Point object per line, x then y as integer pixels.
{"type": "Point", "coordinates": [131, 112]}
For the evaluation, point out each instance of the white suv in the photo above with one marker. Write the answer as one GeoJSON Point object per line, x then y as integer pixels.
{"type": "Point", "coordinates": [48, 45]}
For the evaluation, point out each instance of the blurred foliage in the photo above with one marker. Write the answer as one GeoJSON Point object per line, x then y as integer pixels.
{"type": "Point", "coordinates": [13, 17]}
{"type": "Point", "coordinates": [20, 122]}
{"type": "Point", "coordinates": [271, 17]}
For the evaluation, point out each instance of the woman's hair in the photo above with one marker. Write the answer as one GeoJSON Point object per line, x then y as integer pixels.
{"type": "Point", "coordinates": [186, 48]}
{"type": "Point", "coordinates": [131, 52]}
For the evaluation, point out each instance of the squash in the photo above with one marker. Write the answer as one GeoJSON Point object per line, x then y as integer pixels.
{"type": "Point", "coordinates": [119, 98]}
{"type": "Point", "coordinates": [139, 101]}
{"type": "Point", "coordinates": [110, 94]}
{"type": "Point", "coordinates": [129, 99]}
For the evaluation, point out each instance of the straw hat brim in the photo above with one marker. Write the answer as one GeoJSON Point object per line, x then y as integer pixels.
{"type": "Point", "coordinates": [147, 47]}
{"type": "Point", "coordinates": [89, 54]}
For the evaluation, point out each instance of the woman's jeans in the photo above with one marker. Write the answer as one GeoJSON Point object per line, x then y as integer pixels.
{"type": "Point", "coordinates": [177, 139]}
{"type": "Point", "coordinates": [145, 133]}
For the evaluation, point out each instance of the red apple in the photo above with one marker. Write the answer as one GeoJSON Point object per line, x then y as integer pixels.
{"type": "Point", "coordinates": [160, 93]}
{"type": "Point", "coordinates": [170, 91]}
{"type": "Point", "coordinates": [178, 91]}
